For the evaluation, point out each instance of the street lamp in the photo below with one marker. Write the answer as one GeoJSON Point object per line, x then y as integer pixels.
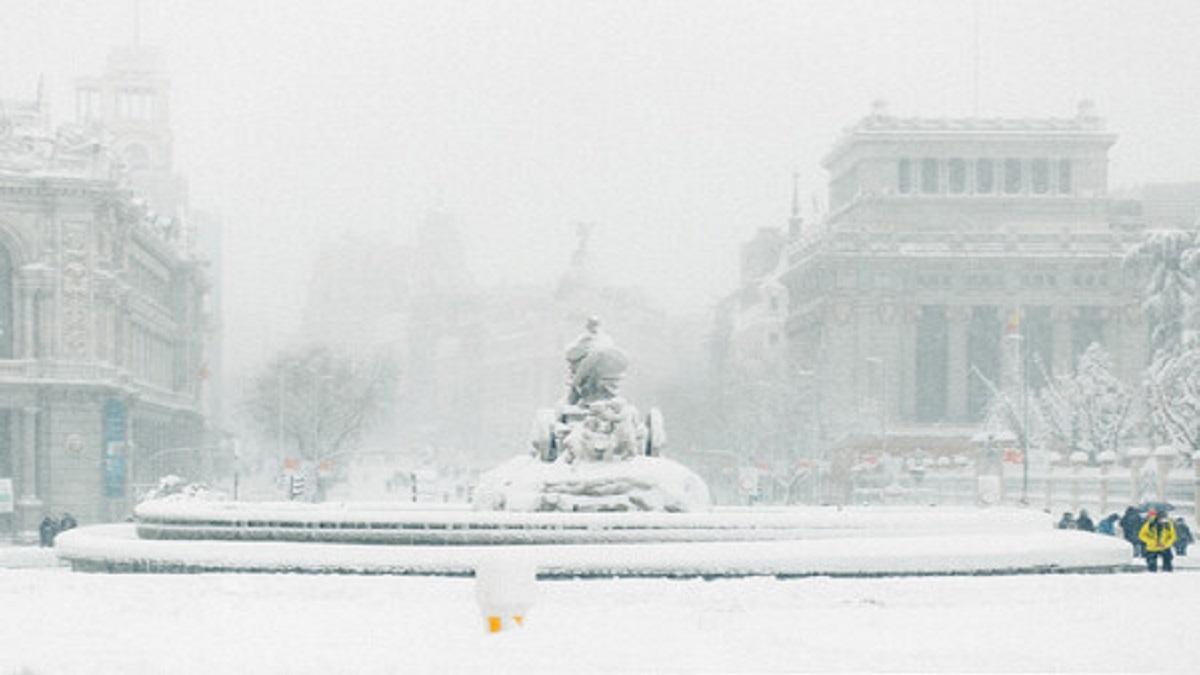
{"type": "Point", "coordinates": [1053, 459]}
{"type": "Point", "coordinates": [1106, 459]}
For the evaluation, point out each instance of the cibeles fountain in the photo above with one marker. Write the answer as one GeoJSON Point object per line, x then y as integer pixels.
{"type": "Point", "coordinates": [593, 496]}
{"type": "Point", "coordinates": [594, 452]}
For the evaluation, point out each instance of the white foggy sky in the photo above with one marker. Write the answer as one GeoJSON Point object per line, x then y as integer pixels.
{"type": "Point", "coordinates": [673, 125]}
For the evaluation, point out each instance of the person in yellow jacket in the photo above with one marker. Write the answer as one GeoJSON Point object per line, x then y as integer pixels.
{"type": "Point", "coordinates": [1158, 534]}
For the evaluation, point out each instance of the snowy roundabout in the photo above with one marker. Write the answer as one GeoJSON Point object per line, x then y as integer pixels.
{"type": "Point", "coordinates": [378, 539]}
{"type": "Point", "coordinates": [594, 497]}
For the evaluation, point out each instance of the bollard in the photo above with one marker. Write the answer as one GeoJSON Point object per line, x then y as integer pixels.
{"type": "Point", "coordinates": [505, 588]}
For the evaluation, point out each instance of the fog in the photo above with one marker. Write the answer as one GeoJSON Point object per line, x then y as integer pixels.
{"type": "Point", "coordinates": [673, 126]}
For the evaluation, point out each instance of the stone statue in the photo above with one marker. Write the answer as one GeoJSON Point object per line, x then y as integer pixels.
{"type": "Point", "coordinates": [596, 366]}
{"type": "Point", "coordinates": [594, 451]}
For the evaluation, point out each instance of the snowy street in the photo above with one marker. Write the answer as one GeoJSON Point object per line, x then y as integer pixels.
{"type": "Point", "coordinates": [55, 621]}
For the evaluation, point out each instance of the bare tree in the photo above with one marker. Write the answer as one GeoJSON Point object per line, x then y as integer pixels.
{"type": "Point", "coordinates": [318, 403]}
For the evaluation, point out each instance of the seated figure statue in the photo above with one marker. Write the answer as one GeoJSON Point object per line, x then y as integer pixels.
{"type": "Point", "coordinates": [596, 366]}
{"type": "Point", "coordinates": [593, 451]}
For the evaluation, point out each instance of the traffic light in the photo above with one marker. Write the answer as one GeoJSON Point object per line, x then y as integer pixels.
{"type": "Point", "coordinates": [297, 487]}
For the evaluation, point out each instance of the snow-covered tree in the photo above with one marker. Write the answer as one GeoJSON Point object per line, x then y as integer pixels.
{"type": "Point", "coordinates": [1090, 411]}
{"type": "Point", "coordinates": [1169, 261]}
{"type": "Point", "coordinates": [1173, 396]}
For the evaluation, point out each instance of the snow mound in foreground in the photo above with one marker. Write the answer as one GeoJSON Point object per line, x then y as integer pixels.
{"type": "Point", "coordinates": [526, 483]}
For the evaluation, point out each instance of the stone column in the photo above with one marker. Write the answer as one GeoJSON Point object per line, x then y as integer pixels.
{"type": "Point", "coordinates": [1137, 458]}
{"type": "Point", "coordinates": [28, 349]}
{"type": "Point", "coordinates": [29, 506]}
{"type": "Point", "coordinates": [957, 368]}
{"type": "Point", "coordinates": [1164, 457]}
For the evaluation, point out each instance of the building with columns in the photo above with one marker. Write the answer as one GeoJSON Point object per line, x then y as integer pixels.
{"type": "Point", "coordinates": [944, 236]}
{"type": "Point", "coordinates": [102, 301]}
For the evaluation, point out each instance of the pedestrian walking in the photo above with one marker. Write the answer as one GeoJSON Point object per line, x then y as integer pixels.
{"type": "Point", "coordinates": [1131, 525]}
{"type": "Point", "coordinates": [1183, 536]}
{"type": "Point", "coordinates": [1084, 522]}
{"type": "Point", "coordinates": [1158, 534]}
{"type": "Point", "coordinates": [67, 523]}
{"type": "Point", "coordinates": [1108, 525]}
{"type": "Point", "coordinates": [46, 531]}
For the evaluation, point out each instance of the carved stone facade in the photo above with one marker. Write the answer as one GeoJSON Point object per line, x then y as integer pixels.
{"type": "Point", "coordinates": [103, 312]}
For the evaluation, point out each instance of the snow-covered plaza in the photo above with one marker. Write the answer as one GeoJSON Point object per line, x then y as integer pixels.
{"type": "Point", "coordinates": [953, 609]}
{"type": "Point", "coordinates": [55, 621]}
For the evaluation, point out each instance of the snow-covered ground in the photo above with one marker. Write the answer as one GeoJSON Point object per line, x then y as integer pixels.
{"type": "Point", "coordinates": [55, 621]}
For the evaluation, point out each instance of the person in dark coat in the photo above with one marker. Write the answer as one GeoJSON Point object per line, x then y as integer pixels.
{"type": "Point", "coordinates": [67, 522]}
{"type": "Point", "coordinates": [46, 531]}
{"type": "Point", "coordinates": [1131, 525]}
{"type": "Point", "coordinates": [1084, 522]}
{"type": "Point", "coordinates": [1183, 536]}
{"type": "Point", "coordinates": [1108, 525]}
{"type": "Point", "coordinates": [1067, 522]}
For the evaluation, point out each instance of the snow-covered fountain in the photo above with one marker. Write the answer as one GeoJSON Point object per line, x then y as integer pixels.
{"type": "Point", "coordinates": [594, 452]}
{"type": "Point", "coordinates": [592, 496]}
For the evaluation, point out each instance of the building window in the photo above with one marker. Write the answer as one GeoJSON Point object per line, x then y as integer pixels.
{"type": "Point", "coordinates": [929, 176]}
{"type": "Point", "coordinates": [985, 176]}
{"type": "Point", "coordinates": [1012, 176]}
{"type": "Point", "coordinates": [1039, 172]}
{"type": "Point", "coordinates": [932, 342]}
{"type": "Point", "coordinates": [983, 355]}
{"type": "Point", "coordinates": [1064, 176]}
{"type": "Point", "coordinates": [958, 176]}
{"type": "Point", "coordinates": [904, 180]}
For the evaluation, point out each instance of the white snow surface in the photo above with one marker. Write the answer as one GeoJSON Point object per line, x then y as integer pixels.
{"type": "Point", "coordinates": [54, 621]}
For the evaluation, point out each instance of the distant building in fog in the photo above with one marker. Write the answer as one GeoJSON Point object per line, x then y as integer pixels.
{"type": "Point", "coordinates": [102, 300]}
{"type": "Point", "coordinates": [943, 236]}
{"type": "Point", "coordinates": [476, 363]}
{"type": "Point", "coordinates": [943, 231]}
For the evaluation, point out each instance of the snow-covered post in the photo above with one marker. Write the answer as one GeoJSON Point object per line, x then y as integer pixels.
{"type": "Point", "coordinates": [505, 588]}
{"type": "Point", "coordinates": [1137, 458]}
{"type": "Point", "coordinates": [1053, 460]}
{"type": "Point", "coordinates": [1106, 459]}
{"type": "Point", "coordinates": [1078, 460]}
{"type": "Point", "coordinates": [1164, 458]}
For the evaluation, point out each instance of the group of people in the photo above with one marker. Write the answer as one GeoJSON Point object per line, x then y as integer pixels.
{"type": "Point", "coordinates": [1155, 537]}
{"type": "Point", "coordinates": [50, 528]}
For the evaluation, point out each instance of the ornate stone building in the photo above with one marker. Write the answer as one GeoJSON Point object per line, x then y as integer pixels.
{"type": "Point", "coordinates": [943, 237]}
{"type": "Point", "coordinates": [102, 300]}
